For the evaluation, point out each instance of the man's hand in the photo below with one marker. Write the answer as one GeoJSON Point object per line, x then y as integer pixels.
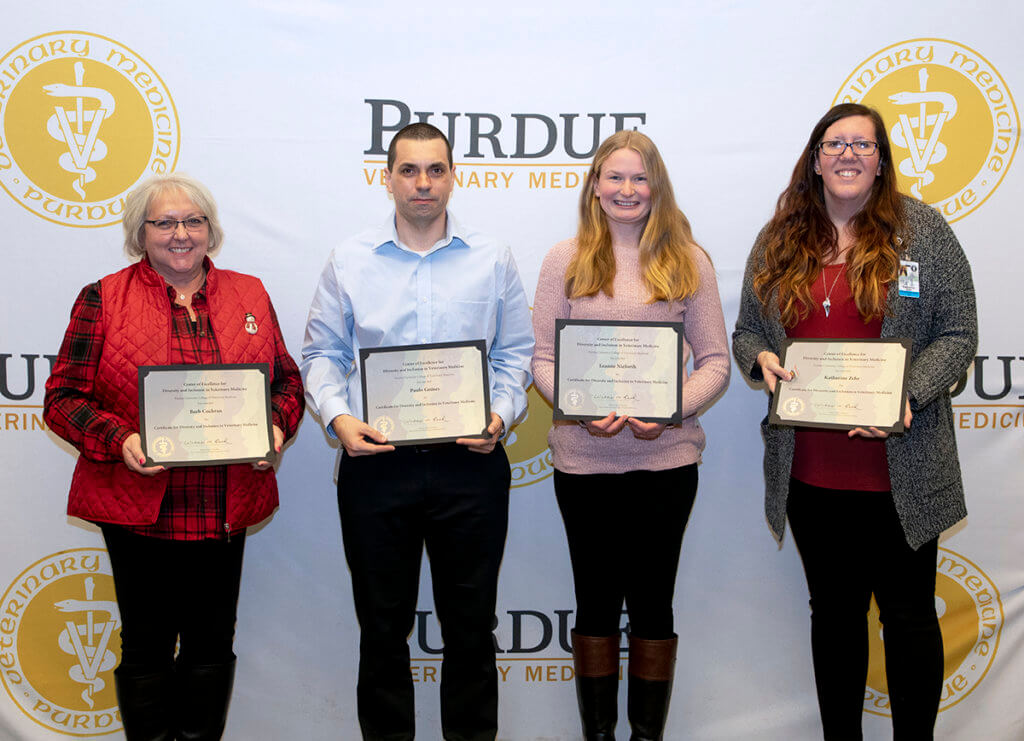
{"type": "Point", "coordinates": [485, 444]}
{"type": "Point", "coordinates": [353, 434]}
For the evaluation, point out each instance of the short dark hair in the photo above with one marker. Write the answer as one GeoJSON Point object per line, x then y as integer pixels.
{"type": "Point", "coordinates": [421, 132]}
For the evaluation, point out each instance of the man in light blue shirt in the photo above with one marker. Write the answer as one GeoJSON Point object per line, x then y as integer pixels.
{"type": "Point", "coordinates": [421, 278]}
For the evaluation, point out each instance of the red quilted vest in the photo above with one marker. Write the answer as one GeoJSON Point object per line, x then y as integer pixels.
{"type": "Point", "coordinates": [137, 331]}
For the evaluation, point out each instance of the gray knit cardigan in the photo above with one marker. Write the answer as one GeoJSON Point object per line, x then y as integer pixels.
{"type": "Point", "coordinates": [924, 469]}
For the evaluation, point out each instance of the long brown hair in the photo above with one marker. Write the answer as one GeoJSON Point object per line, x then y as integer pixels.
{"type": "Point", "coordinates": [801, 237]}
{"type": "Point", "coordinates": [666, 245]}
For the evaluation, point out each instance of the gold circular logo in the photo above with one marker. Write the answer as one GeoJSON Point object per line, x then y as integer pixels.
{"type": "Point", "coordinates": [574, 398]}
{"type": "Point", "coordinates": [384, 425]}
{"type": "Point", "coordinates": [83, 120]}
{"type": "Point", "coordinates": [162, 447]}
{"type": "Point", "coordinates": [527, 443]}
{"type": "Point", "coordinates": [971, 616]}
{"type": "Point", "coordinates": [953, 125]}
{"type": "Point", "coordinates": [60, 639]}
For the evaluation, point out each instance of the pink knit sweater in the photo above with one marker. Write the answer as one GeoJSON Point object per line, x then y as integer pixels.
{"type": "Point", "coordinates": [573, 448]}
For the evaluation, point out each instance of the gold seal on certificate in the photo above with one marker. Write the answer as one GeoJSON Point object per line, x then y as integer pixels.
{"type": "Point", "coordinates": [842, 384]}
{"type": "Point", "coordinates": [416, 394]}
{"type": "Point", "coordinates": [195, 415]}
{"type": "Point", "coordinates": [634, 369]}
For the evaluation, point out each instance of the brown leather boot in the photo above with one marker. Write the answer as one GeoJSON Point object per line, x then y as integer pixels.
{"type": "Point", "coordinates": [596, 659]}
{"type": "Point", "coordinates": [652, 666]}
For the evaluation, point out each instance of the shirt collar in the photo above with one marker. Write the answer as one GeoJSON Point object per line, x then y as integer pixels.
{"type": "Point", "coordinates": [388, 235]}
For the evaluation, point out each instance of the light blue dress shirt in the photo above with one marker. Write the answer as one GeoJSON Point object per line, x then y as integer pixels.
{"type": "Point", "coordinates": [376, 292]}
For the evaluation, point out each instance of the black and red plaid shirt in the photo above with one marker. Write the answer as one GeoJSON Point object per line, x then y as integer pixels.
{"type": "Point", "coordinates": [194, 504]}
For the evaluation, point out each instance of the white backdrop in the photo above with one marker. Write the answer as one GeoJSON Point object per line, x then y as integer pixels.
{"type": "Point", "coordinates": [273, 105]}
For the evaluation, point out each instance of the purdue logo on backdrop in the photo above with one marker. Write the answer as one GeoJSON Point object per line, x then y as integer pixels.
{"type": "Point", "coordinates": [952, 121]}
{"type": "Point", "coordinates": [60, 641]}
{"type": "Point", "coordinates": [82, 120]}
{"type": "Point", "coordinates": [971, 617]}
{"type": "Point", "coordinates": [527, 443]}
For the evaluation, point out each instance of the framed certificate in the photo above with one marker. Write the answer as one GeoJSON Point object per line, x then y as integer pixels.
{"type": "Point", "coordinates": [630, 368]}
{"type": "Point", "coordinates": [843, 384]}
{"type": "Point", "coordinates": [416, 394]}
{"type": "Point", "coordinates": [203, 415]}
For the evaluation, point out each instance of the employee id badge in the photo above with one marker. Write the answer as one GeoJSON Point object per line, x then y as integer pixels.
{"type": "Point", "coordinates": [910, 279]}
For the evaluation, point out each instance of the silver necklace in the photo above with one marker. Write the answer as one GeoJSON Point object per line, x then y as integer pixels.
{"type": "Point", "coordinates": [827, 303]}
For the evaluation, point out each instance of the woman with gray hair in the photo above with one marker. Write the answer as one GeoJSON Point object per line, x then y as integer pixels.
{"type": "Point", "coordinates": [175, 535]}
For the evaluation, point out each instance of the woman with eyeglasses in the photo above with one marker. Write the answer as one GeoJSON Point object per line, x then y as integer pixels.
{"type": "Point", "coordinates": [625, 486]}
{"type": "Point", "coordinates": [175, 535]}
{"type": "Point", "coordinates": [866, 508]}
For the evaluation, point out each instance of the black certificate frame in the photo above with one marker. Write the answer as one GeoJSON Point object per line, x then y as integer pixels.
{"type": "Point", "coordinates": [775, 418]}
{"type": "Point", "coordinates": [558, 413]}
{"type": "Point", "coordinates": [479, 345]}
{"type": "Point", "coordinates": [146, 371]}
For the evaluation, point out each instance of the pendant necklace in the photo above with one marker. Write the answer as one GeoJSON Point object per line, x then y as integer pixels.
{"type": "Point", "coordinates": [827, 303]}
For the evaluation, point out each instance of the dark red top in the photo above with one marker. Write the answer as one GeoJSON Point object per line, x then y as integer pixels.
{"type": "Point", "coordinates": [829, 458]}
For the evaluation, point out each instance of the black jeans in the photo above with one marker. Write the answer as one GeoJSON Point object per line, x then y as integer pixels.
{"type": "Point", "coordinates": [455, 502]}
{"type": "Point", "coordinates": [625, 532]}
{"type": "Point", "coordinates": [172, 589]}
{"type": "Point", "coordinates": [852, 545]}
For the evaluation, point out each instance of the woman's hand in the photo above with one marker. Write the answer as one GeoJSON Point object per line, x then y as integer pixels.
{"type": "Point", "coordinates": [645, 430]}
{"type": "Point", "coordinates": [875, 432]}
{"type": "Point", "coordinates": [134, 458]}
{"type": "Point", "coordinates": [278, 442]}
{"type": "Point", "coordinates": [610, 425]}
{"type": "Point", "coordinates": [772, 369]}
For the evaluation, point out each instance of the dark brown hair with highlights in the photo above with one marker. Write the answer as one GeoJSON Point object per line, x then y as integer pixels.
{"type": "Point", "coordinates": [801, 238]}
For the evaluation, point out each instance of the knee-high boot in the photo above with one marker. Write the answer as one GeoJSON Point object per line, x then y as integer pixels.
{"type": "Point", "coordinates": [596, 660]}
{"type": "Point", "coordinates": [203, 695]}
{"type": "Point", "coordinates": [144, 698]}
{"type": "Point", "coordinates": [651, 669]}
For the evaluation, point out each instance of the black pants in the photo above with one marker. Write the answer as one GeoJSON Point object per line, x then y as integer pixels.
{"type": "Point", "coordinates": [852, 545]}
{"type": "Point", "coordinates": [625, 532]}
{"type": "Point", "coordinates": [169, 590]}
{"type": "Point", "coordinates": [455, 502]}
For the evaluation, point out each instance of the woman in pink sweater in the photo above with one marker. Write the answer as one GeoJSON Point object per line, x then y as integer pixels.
{"type": "Point", "coordinates": [624, 486]}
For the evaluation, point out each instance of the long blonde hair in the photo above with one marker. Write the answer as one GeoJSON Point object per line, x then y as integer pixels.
{"type": "Point", "coordinates": [667, 264]}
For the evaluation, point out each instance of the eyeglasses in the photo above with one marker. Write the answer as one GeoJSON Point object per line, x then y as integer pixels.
{"type": "Point", "coordinates": [836, 148]}
{"type": "Point", "coordinates": [191, 224]}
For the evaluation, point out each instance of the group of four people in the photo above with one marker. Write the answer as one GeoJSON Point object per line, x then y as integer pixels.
{"type": "Point", "coordinates": [824, 266]}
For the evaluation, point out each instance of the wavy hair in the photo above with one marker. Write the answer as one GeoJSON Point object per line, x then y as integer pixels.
{"type": "Point", "coordinates": [139, 200]}
{"type": "Point", "coordinates": [667, 264]}
{"type": "Point", "coordinates": [801, 238]}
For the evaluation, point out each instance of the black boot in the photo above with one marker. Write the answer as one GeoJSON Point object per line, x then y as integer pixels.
{"type": "Point", "coordinates": [596, 660]}
{"type": "Point", "coordinates": [651, 669]}
{"type": "Point", "coordinates": [144, 697]}
{"type": "Point", "coordinates": [204, 692]}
